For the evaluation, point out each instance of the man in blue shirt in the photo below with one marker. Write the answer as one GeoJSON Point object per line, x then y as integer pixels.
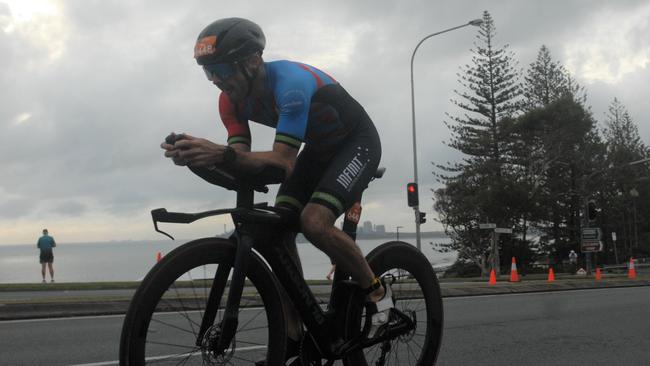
{"type": "Point", "coordinates": [45, 244]}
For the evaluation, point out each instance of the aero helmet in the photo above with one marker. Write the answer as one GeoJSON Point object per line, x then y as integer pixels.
{"type": "Point", "coordinates": [228, 40]}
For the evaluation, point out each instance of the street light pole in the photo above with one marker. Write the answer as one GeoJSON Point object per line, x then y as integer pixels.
{"type": "Point", "coordinates": [397, 231]}
{"type": "Point", "coordinates": [416, 208]}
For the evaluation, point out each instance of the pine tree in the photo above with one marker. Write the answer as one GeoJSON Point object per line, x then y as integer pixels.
{"type": "Point", "coordinates": [545, 81]}
{"type": "Point", "coordinates": [491, 97]}
{"type": "Point", "coordinates": [492, 94]}
{"type": "Point", "coordinates": [624, 143]}
{"type": "Point", "coordinates": [545, 151]}
{"type": "Point", "coordinates": [625, 185]}
{"type": "Point", "coordinates": [558, 150]}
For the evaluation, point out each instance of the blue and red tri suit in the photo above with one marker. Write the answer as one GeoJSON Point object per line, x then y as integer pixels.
{"type": "Point", "coordinates": [304, 104]}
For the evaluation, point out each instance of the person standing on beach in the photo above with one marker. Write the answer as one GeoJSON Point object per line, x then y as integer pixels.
{"type": "Point", "coordinates": [45, 244]}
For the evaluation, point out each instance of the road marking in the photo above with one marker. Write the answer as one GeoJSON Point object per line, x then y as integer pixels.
{"type": "Point", "coordinates": [106, 363]}
{"type": "Point", "coordinates": [61, 319]}
{"type": "Point", "coordinates": [103, 316]}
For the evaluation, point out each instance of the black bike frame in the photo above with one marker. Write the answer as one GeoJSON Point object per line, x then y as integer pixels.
{"type": "Point", "coordinates": [319, 323]}
{"type": "Point", "coordinates": [252, 228]}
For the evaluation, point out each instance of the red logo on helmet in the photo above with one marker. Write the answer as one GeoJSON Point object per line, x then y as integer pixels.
{"type": "Point", "coordinates": [205, 46]}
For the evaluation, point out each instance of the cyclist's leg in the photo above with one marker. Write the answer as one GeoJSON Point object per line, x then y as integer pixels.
{"type": "Point", "coordinates": [348, 173]}
{"type": "Point", "coordinates": [318, 226]}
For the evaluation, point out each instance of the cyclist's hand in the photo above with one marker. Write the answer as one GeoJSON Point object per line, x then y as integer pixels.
{"type": "Point", "coordinates": [198, 152]}
{"type": "Point", "coordinates": [171, 150]}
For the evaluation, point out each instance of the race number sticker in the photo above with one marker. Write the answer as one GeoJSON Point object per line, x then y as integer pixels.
{"type": "Point", "coordinates": [353, 214]}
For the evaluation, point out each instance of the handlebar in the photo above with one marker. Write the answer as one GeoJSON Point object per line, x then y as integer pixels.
{"type": "Point", "coordinates": [233, 180]}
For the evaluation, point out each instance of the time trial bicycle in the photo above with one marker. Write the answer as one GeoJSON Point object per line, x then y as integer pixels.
{"type": "Point", "coordinates": [219, 301]}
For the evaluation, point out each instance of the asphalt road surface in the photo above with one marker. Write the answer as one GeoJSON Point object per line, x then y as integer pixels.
{"type": "Point", "coordinates": [595, 327]}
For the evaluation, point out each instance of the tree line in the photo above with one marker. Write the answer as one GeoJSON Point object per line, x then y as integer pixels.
{"type": "Point", "coordinates": [535, 159]}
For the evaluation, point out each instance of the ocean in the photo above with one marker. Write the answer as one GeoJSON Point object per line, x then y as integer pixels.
{"type": "Point", "coordinates": [131, 260]}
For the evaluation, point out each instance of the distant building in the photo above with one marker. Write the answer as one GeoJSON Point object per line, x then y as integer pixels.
{"type": "Point", "coordinates": [367, 227]}
{"type": "Point", "coordinates": [380, 229]}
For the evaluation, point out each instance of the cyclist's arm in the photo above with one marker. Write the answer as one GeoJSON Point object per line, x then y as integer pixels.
{"type": "Point", "coordinates": [283, 156]}
{"type": "Point", "coordinates": [202, 153]}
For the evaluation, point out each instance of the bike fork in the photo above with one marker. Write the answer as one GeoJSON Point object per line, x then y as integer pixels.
{"type": "Point", "coordinates": [212, 306]}
{"type": "Point", "coordinates": [230, 318]}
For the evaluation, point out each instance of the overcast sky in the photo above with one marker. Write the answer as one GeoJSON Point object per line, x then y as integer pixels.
{"type": "Point", "coordinates": [90, 88]}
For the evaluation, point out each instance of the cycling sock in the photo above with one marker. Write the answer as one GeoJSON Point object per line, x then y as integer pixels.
{"type": "Point", "coordinates": [376, 284]}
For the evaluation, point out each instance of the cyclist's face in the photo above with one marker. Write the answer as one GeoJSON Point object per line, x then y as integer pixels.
{"type": "Point", "coordinates": [223, 76]}
{"type": "Point", "coordinates": [230, 78]}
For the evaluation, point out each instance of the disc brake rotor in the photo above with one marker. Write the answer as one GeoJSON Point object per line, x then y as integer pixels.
{"type": "Point", "coordinates": [208, 344]}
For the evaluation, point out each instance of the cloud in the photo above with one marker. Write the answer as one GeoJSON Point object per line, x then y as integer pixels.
{"type": "Point", "coordinates": [92, 87]}
{"type": "Point", "coordinates": [38, 25]}
{"type": "Point", "coordinates": [612, 50]}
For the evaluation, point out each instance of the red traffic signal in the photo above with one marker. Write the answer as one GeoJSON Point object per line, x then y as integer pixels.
{"type": "Point", "coordinates": [412, 194]}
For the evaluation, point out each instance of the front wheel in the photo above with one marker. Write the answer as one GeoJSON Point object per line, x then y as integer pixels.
{"type": "Point", "coordinates": [416, 292]}
{"type": "Point", "coordinates": [163, 321]}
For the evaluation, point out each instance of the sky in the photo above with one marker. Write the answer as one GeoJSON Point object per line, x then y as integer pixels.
{"type": "Point", "coordinates": [90, 88]}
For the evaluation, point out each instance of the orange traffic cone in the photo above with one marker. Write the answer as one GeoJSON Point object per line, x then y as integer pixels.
{"type": "Point", "coordinates": [514, 276]}
{"type": "Point", "coordinates": [598, 275]}
{"type": "Point", "coordinates": [551, 275]}
{"type": "Point", "coordinates": [158, 256]}
{"type": "Point", "coordinates": [631, 273]}
{"type": "Point", "coordinates": [493, 278]}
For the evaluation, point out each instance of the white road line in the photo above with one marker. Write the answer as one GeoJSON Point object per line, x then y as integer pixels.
{"type": "Point", "coordinates": [61, 319]}
{"type": "Point", "coordinates": [106, 363]}
{"type": "Point", "coordinates": [101, 316]}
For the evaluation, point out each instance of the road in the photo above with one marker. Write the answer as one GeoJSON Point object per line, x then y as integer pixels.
{"type": "Point", "coordinates": [596, 327]}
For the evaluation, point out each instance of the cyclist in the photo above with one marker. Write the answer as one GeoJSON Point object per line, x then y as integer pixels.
{"type": "Point", "coordinates": [304, 105]}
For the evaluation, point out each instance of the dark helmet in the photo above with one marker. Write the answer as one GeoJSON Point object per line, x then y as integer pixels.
{"type": "Point", "coordinates": [228, 40]}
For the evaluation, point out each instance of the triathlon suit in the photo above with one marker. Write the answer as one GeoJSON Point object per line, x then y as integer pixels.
{"type": "Point", "coordinates": [305, 105]}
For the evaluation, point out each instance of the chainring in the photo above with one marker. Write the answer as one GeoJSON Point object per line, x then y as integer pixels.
{"type": "Point", "coordinates": [310, 355]}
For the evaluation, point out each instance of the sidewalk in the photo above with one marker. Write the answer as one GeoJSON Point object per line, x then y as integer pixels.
{"type": "Point", "coordinates": [65, 300]}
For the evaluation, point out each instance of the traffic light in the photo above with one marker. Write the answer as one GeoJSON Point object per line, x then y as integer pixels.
{"type": "Point", "coordinates": [412, 194]}
{"type": "Point", "coordinates": [592, 212]}
{"type": "Point", "coordinates": [423, 217]}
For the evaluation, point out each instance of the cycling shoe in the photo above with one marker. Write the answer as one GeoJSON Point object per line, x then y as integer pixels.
{"type": "Point", "coordinates": [378, 315]}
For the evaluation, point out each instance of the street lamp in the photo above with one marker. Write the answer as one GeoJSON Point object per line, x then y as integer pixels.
{"type": "Point", "coordinates": [416, 208]}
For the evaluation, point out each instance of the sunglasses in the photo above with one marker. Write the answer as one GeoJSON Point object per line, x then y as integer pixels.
{"type": "Point", "coordinates": [220, 72]}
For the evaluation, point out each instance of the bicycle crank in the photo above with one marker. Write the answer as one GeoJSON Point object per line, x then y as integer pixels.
{"type": "Point", "coordinates": [310, 355]}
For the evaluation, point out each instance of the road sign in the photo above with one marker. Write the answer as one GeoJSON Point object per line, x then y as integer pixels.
{"type": "Point", "coordinates": [591, 233]}
{"type": "Point", "coordinates": [503, 230]}
{"type": "Point", "coordinates": [487, 226]}
{"type": "Point", "coordinates": [591, 246]}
